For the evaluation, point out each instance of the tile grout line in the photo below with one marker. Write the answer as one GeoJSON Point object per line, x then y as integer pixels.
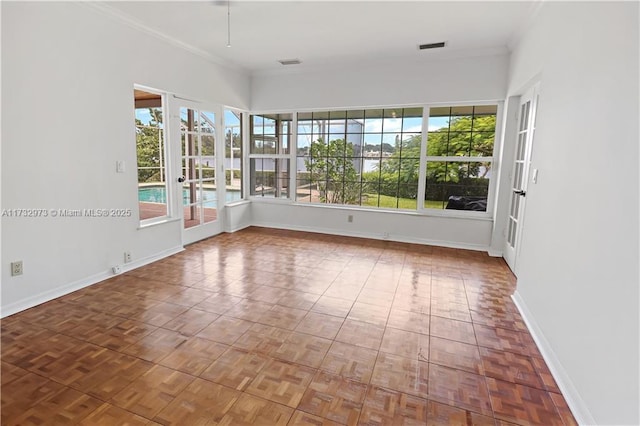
{"type": "Point", "coordinates": [484, 375]}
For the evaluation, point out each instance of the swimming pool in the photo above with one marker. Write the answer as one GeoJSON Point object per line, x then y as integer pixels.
{"type": "Point", "coordinates": [158, 194]}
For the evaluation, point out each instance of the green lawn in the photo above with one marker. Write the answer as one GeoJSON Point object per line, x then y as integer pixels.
{"type": "Point", "coordinates": [433, 204]}
{"type": "Point", "coordinates": [398, 203]}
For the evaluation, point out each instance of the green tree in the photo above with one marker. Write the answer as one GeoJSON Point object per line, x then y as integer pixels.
{"type": "Point", "coordinates": [332, 171]}
{"type": "Point", "coordinates": [460, 141]}
{"type": "Point", "coordinates": [232, 140]}
{"type": "Point", "coordinates": [399, 173]}
{"type": "Point", "coordinates": [149, 147]}
{"type": "Point", "coordinates": [385, 147]}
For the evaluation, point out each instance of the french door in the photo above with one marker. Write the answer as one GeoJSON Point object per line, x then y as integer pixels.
{"type": "Point", "coordinates": [520, 175]}
{"type": "Point", "coordinates": [198, 131]}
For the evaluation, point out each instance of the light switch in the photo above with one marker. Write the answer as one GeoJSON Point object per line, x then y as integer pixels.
{"type": "Point", "coordinates": [120, 166]}
{"type": "Point", "coordinates": [534, 178]}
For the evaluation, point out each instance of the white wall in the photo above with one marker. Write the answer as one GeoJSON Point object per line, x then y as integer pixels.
{"type": "Point", "coordinates": [382, 83]}
{"type": "Point", "coordinates": [405, 227]}
{"type": "Point", "coordinates": [238, 216]}
{"type": "Point", "coordinates": [578, 267]}
{"type": "Point", "coordinates": [420, 81]}
{"type": "Point", "coordinates": [67, 79]}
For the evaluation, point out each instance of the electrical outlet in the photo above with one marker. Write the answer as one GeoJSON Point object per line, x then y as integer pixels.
{"type": "Point", "coordinates": [16, 268]}
{"type": "Point", "coordinates": [127, 257]}
{"type": "Point", "coordinates": [385, 236]}
{"type": "Point", "coordinates": [350, 218]}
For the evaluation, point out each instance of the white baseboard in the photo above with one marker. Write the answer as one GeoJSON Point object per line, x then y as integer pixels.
{"type": "Point", "coordinates": [495, 253]}
{"type": "Point", "coordinates": [150, 259]}
{"type": "Point", "coordinates": [392, 237]}
{"type": "Point", "coordinates": [574, 400]}
{"type": "Point", "coordinates": [46, 296]}
{"type": "Point", "coordinates": [238, 228]}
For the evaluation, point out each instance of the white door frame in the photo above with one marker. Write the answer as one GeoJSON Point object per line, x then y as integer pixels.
{"type": "Point", "coordinates": [209, 229]}
{"type": "Point", "coordinates": [519, 176]}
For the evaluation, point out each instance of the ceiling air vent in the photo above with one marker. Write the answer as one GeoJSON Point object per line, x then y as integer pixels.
{"type": "Point", "coordinates": [290, 61]}
{"type": "Point", "coordinates": [431, 45]}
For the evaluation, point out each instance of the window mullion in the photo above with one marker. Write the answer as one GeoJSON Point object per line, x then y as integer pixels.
{"type": "Point", "coordinates": [493, 182]}
{"type": "Point", "coordinates": [246, 163]}
{"type": "Point", "coordinates": [293, 156]}
{"type": "Point", "coordinates": [422, 176]}
{"type": "Point", "coordinates": [461, 159]}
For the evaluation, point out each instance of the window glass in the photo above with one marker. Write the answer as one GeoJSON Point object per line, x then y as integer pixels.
{"type": "Point", "coordinates": [151, 155]}
{"type": "Point", "coordinates": [233, 155]}
{"type": "Point", "coordinates": [269, 163]}
{"type": "Point", "coordinates": [467, 133]}
{"type": "Point", "coordinates": [360, 157]}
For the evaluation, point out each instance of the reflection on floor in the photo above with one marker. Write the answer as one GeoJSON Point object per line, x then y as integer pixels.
{"type": "Point", "coordinates": [269, 327]}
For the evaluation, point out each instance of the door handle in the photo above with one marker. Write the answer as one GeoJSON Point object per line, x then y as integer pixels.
{"type": "Point", "coordinates": [181, 179]}
{"type": "Point", "coordinates": [520, 192]}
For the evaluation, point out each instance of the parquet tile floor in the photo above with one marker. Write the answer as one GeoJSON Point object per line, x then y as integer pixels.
{"type": "Point", "coordinates": [270, 327]}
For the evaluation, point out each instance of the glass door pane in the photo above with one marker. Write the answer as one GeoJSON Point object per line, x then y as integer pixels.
{"type": "Point", "coordinates": [520, 176]}
{"type": "Point", "coordinates": [198, 140]}
{"type": "Point", "coordinates": [518, 173]}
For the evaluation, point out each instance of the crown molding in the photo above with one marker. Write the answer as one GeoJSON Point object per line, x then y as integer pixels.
{"type": "Point", "coordinates": [106, 10]}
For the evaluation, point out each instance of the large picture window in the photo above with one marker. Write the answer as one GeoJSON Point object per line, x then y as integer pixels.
{"type": "Point", "coordinates": [359, 157]}
{"type": "Point", "coordinates": [410, 158]}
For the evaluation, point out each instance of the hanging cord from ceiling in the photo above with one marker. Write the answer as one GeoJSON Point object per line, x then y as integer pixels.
{"type": "Point", "coordinates": [228, 23]}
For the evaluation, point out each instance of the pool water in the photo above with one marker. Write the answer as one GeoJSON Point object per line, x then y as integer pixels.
{"type": "Point", "coordinates": [158, 194]}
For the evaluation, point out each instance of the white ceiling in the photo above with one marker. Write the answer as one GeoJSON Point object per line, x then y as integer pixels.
{"type": "Point", "coordinates": [324, 33]}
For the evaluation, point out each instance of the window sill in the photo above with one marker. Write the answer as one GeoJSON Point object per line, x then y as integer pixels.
{"type": "Point", "coordinates": [272, 200]}
{"type": "Point", "coordinates": [237, 203]}
{"type": "Point", "coordinates": [149, 223]}
{"type": "Point", "coordinates": [446, 214]}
